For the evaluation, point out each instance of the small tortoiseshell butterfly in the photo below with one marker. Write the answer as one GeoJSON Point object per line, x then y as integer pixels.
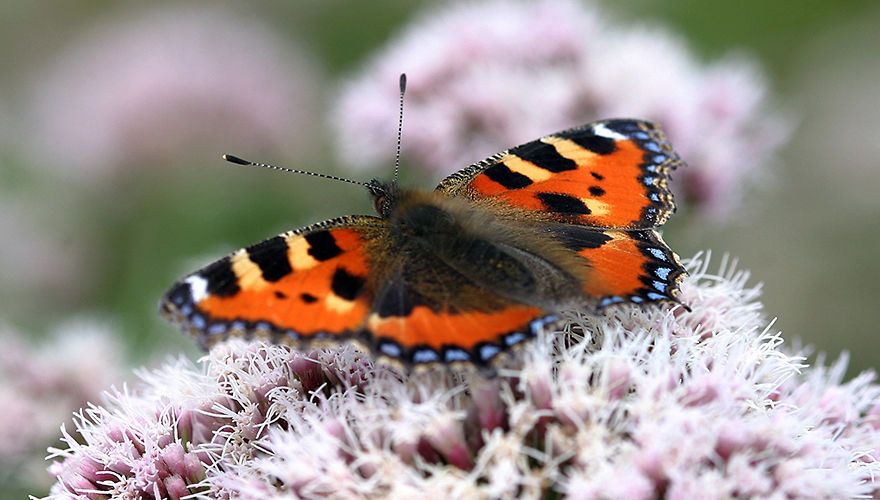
{"type": "Point", "coordinates": [466, 271]}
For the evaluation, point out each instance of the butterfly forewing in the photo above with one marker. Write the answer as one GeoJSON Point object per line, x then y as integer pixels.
{"type": "Point", "coordinates": [609, 174]}
{"type": "Point", "coordinates": [296, 287]}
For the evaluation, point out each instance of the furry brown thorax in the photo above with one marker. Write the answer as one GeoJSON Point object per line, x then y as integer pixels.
{"type": "Point", "coordinates": [514, 254]}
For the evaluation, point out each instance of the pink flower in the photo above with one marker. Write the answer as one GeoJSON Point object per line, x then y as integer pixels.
{"type": "Point", "coordinates": [639, 402]}
{"type": "Point", "coordinates": [40, 386]}
{"type": "Point", "coordinates": [476, 88]}
{"type": "Point", "coordinates": [168, 85]}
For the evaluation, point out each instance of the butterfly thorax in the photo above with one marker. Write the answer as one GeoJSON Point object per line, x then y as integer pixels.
{"type": "Point", "coordinates": [478, 249]}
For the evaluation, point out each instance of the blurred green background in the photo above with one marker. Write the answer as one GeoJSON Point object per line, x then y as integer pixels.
{"type": "Point", "coordinates": [108, 248]}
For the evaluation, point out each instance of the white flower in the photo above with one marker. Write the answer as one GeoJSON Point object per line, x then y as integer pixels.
{"type": "Point", "coordinates": [636, 402]}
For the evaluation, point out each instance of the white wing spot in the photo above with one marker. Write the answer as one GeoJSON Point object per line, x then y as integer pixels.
{"type": "Point", "coordinates": [603, 131]}
{"type": "Point", "coordinates": [198, 287]}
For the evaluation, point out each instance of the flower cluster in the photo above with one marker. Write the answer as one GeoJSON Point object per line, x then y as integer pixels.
{"type": "Point", "coordinates": [477, 87]}
{"type": "Point", "coordinates": [182, 425]}
{"type": "Point", "coordinates": [632, 403]}
{"type": "Point", "coordinates": [41, 385]}
{"type": "Point", "coordinates": [161, 86]}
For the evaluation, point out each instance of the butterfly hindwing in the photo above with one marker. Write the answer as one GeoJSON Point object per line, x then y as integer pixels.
{"type": "Point", "coordinates": [608, 174]}
{"type": "Point", "coordinates": [406, 325]}
{"type": "Point", "coordinates": [304, 285]}
{"type": "Point", "coordinates": [624, 266]}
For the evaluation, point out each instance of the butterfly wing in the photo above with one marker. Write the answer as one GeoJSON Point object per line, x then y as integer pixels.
{"type": "Point", "coordinates": [600, 189]}
{"type": "Point", "coordinates": [606, 174]}
{"type": "Point", "coordinates": [429, 314]}
{"type": "Point", "coordinates": [309, 284]}
{"type": "Point", "coordinates": [624, 266]}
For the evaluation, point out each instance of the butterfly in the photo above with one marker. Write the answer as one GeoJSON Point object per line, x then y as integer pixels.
{"type": "Point", "coordinates": [465, 272]}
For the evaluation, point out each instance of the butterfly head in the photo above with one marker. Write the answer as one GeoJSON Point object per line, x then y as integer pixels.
{"type": "Point", "coordinates": [384, 196]}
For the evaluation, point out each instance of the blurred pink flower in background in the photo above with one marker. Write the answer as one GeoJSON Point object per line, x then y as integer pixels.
{"type": "Point", "coordinates": [168, 86]}
{"type": "Point", "coordinates": [476, 87]}
{"type": "Point", "coordinates": [41, 386]}
{"type": "Point", "coordinates": [634, 403]}
{"type": "Point", "coordinates": [36, 258]}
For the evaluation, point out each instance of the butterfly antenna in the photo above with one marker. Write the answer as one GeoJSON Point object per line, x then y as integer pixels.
{"type": "Point", "coordinates": [241, 161]}
{"type": "Point", "coordinates": [399, 129]}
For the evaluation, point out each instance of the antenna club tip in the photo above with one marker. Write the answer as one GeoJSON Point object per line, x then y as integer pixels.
{"type": "Point", "coordinates": [235, 159]}
{"type": "Point", "coordinates": [402, 82]}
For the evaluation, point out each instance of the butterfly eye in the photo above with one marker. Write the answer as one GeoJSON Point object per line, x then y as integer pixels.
{"type": "Point", "coordinates": [380, 204]}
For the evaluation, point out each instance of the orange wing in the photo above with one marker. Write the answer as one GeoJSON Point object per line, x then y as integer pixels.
{"type": "Point", "coordinates": [302, 285]}
{"type": "Point", "coordinates": [606, 174]}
